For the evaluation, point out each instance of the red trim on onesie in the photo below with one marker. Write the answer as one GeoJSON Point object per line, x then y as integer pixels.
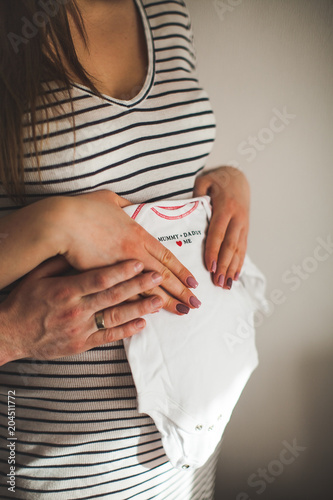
{"type": "Point", "coordinates": [137, 211]}
{"type": "Point", "coordinates": [174, 217]}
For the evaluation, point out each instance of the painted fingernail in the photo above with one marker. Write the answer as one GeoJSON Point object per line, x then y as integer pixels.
{"type": "Point", "coordinates": [182, 309]}
{"type": "Point", "coordinates": [156, 278]}
{"type": "Point", "coordinates": [138, 267]}
{"type": "Point", "coordinates": [157, 302]}
{"type": "Point", "coordinates": [195, 302]}
{"type": "Point", "coordinates": [214, 267]}
{"type": "Point", "coordinates": [191, 282]}
{"type": "Point", "coordinates": [229, 283]}
{"type": "Point", "coordinates": [236, 276]}
{"type": "Point", "coordinates": [140, 323]}
{"type": "Point", "coordinates": [220, 281]}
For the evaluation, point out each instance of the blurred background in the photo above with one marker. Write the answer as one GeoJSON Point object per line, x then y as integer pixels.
{"type": "Point", "coordinates": [268, 68]}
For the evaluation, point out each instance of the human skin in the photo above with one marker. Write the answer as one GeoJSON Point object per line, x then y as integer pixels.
{"type": "Point", "coordinates": [48, 316]}
{"type": "Point", "coordinates": [226, 241]}
{"type": "Point", "coordinates": [79, 229]}
{"type": "Point", "coordinates": [117, 56]}
{"type": "Point", "coordinates": [91, 231]}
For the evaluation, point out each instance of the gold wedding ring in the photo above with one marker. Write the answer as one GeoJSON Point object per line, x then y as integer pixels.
{"type": "Point", "coordinates": [99, 320]}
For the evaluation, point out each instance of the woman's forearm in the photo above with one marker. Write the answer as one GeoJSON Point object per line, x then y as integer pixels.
{"type": "Point", "coordinates": [28, 237]}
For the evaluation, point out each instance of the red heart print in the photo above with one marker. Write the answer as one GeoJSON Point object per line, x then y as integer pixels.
{"type": "Point", "coordinates": [179, 243]}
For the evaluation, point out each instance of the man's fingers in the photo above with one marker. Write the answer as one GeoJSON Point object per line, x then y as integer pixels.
{"type": "Point", "coordinates": [119, 315]}
{"type": "Point", "coordinates": [123, 291]}
{"type": "Point", "coordinates": [117, 333]}
{"type": "Point", "coordinates": [99, 280]}
{"type": "Point", "coordinates": [122, 318]}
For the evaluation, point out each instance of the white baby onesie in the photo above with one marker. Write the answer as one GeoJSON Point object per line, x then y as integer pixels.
{"type": "Point", "coordinates": [187, 376]}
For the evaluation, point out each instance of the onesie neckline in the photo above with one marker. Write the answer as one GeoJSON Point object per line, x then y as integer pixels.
{"type": "Point", "coordinates": [178, 212]}
{"type": "Point", "coordinates": [164, 211]}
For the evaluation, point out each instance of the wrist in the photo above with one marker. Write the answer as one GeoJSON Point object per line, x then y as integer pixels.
{"type": "Point", "coordinates": [57, 215]}
{"type": "Point", "coordinates": [32, 236]}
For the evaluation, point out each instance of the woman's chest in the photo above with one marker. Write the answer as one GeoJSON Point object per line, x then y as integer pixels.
{"type": "Point", "coordinates": [149, 148]}
{"type": "Point", "coordinates": [115, 56]}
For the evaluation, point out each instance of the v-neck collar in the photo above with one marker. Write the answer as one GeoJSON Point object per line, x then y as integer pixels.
{"type": "Point", "coordinates": [149, 81]}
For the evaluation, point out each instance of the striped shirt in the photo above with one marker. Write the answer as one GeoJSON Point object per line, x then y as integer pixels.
{"type": "Point", "coordinates": [78, 431]}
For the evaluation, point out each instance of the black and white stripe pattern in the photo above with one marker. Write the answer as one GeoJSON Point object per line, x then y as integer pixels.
{"type": "Point", "coordinates": [79, 433]}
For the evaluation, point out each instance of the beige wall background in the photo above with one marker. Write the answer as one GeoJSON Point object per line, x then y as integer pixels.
{"type": "Point", "coordinates": [259, 59]}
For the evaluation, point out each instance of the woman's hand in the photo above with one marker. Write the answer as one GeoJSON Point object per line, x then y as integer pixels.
{"type": "Point", "coordinates": [47, 316]}
{"type": "Point", "coordinates": [229, 226]}
{"type": "Point", "coordinates": [94, 231]}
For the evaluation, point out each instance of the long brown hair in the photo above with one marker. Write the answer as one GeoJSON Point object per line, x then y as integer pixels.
{"type": "Point", "coordinates": [35, 35]}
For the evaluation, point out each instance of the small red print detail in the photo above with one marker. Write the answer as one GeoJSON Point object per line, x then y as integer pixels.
{"type": "Point", "coordinates": [179, 243]}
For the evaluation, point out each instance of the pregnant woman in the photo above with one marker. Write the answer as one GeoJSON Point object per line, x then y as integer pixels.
{"type": "Point", "coordinates": [100, 108]}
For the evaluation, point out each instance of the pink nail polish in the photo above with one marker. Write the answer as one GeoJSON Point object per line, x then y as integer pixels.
{"type": "Point", "coordinates": [220, 281]}
{"type": "Point", "coordinates": [191, 282]}
{"type": "Point", "coordinates": [195, 302]}
{"type": "Point", "coordinates": [214, 267]}
{"type": "Point", "coordinates": [236, 276]}
{"type": "Point", "coordinates": [182, 309]}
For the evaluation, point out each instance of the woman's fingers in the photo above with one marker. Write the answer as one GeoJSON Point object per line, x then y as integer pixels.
{"type": "Point", "coordinates": [231, 271]}
{"type": "Point", "coordinates": [117, 237]}
{"type": "Point", "coordinates": [216, 232]}
{"type": "Point", "coordinates": [177, 279]}
{"type": "Point", "coordinates": [236, 266]}
{"type": "Point", "coordinates": [169, 303]}
{"type": "Point", "coordinates": [171, 263]}
{"type": "Point", "coordinates": [202, 185]}
{"type": "Point", "coordinates": [229, 250]}
{"type": "Point", "coordinates": [226, 239]}
{"type": "Point", "coordinates": [178, 299]}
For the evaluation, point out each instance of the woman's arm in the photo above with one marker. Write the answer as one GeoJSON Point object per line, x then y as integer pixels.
{"type": "Point", "coordinates": [229, 226]}
{"type": "Point", "coordinates": [27, 238]}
